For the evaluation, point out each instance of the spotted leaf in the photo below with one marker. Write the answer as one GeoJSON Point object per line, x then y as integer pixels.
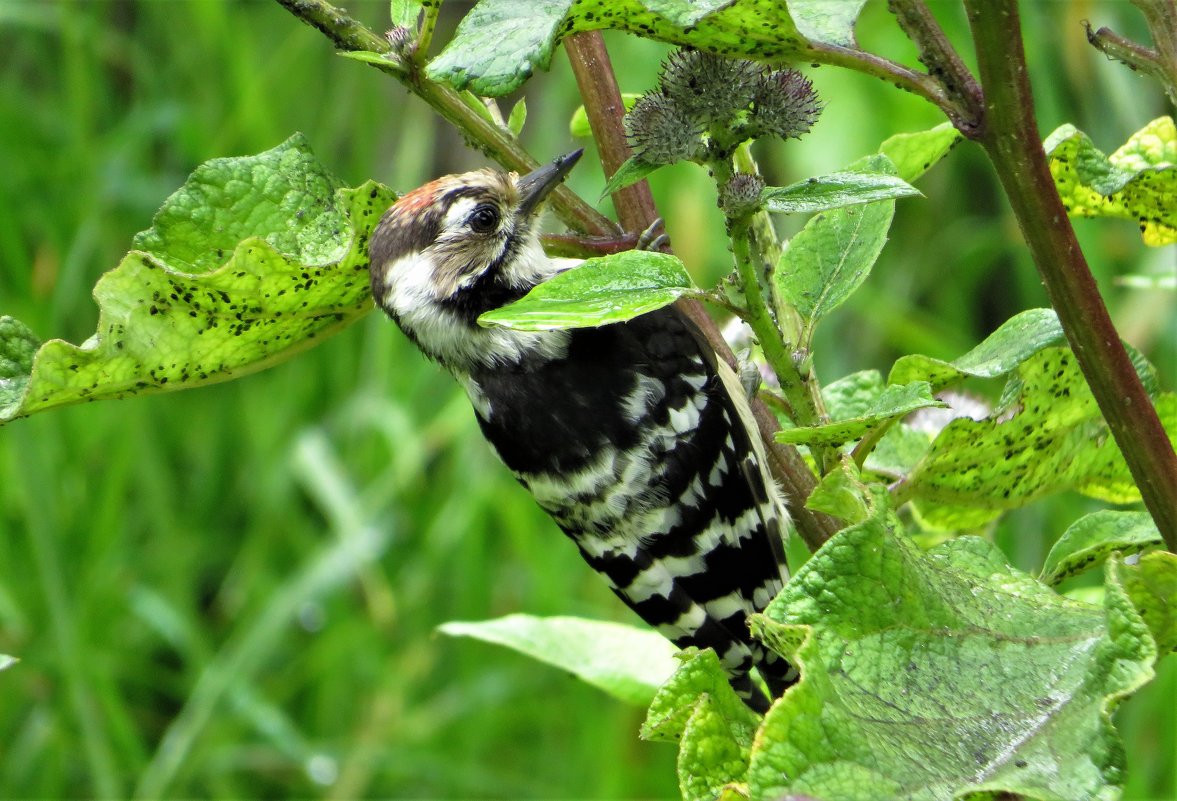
{"type": "Point", "coordinates": [1137, 182]}
{"type": "Point", "coordinates": [252, 261]}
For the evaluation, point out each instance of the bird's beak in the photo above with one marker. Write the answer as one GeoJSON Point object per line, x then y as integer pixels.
{"type": "Point", "coordinates": [536, 185]}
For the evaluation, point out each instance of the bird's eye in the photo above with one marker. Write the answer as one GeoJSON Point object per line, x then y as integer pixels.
{"type": "Point", "coordinates": [484, 218]}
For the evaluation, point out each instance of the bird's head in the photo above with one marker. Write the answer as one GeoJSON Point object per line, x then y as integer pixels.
{"type": "Point", "coordinates": [460, 246]}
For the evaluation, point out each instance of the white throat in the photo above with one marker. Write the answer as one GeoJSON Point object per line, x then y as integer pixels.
{"type": "Point", "coordinates": [409, 293]}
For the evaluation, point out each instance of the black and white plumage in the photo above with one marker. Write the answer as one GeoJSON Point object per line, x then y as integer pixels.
{"type": "Point", "coordinates": [634, 437]}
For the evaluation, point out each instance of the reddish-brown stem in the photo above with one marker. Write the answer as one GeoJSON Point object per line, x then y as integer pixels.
{"type": "Point", "coordinates": [1011, 139]}
{"type": "Point", "coordinates": [636, 211]}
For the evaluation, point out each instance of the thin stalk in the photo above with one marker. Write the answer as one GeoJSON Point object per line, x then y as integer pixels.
{"type": "Point", "coordinates": [497, 143]}
{"type": "Point", "coordinates": [1013, 143]}
{"type": "Point", "coordinates": [1138, 57]}
{"type": "Point", "coordinates": [921, 84]}
{"type": "Point", "coordinates": [938, 55]}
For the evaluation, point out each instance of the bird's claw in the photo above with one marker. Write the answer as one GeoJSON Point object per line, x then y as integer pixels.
{"type": "Point", "coordinates": [654, 237]}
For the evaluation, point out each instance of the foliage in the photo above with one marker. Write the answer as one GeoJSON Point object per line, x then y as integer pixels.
{"type": "Point", "coordinates": [247, 264]}
{"type": "Point", "coordinates": [1137, 182]}
{"type": "Point", "coordinates": [928, 672]}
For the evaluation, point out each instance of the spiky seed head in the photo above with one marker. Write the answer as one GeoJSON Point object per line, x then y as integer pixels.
{"type": "Point", "coordinates": [660, 132]}
{"type": "Point", "coordinates": [401, 40]}
{"type": "Point", "coordinates": [710, 88]}
{"type": "Point", "coordinates": [785, 105]}
{"type": "Point", "coordinates": [741, 195]}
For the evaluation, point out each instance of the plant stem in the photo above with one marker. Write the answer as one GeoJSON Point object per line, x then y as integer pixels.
{"type": "Point", "coordinates": [1160, 64]}
{"type": "Point", "coordinates": [938, 55]}
{"type": "Point", "coordinates": [636, 210]}
{"type": "Point", "coordinates": [923, 85]}
{"type": "Point", "coordinates": [1013, 143]}
{"type": "Point", "coordinates": [801, 408]}
{"type": "Point", "coordinates": [349, 35]}
{"type": "Point", "coordinates": [599, 91]}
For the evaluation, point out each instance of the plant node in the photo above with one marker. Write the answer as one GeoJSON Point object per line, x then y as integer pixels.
{"type": "Point", "coordinates": [740, 196]}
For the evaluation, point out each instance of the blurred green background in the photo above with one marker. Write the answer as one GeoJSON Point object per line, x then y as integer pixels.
{"type": "Point", "coordinates": [233, 591]}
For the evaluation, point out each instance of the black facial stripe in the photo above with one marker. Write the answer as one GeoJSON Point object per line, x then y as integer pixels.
{"type": "Point", "coordinates": [490, 290]}
{"type": "Point", "coordinates": [486, 293]}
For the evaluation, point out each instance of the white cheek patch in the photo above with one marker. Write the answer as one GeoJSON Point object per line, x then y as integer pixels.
{"type": "Point", "coordinates": [410, 295]}
{"type": "Point", "coordinates": [458, 213]}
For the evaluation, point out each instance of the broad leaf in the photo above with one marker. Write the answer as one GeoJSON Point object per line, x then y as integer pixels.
{"type": "Point", "coordinates": [699, 673]}
{"type": "Point", "coordinates": [835, 191]}
{"type": "Point", "coordinates": [500, 43]}
{"type": "Point", "coordinates": [1151, 584]}
{"type": "Point", "coordinates": [18, 347]}
{"type": "Point", "coordinates": [826, 20]}
{"type": "Point", "coordinates": [1048, 435]}
{"type": "Point", "coordinates": [1016, 340]}
{"type": "Point", "coordinates": [833, 254]}
{"type": "Point", "coordinates": [1138, 182]}
{"type": "Point", "coordinates": [1092, 538]}
{"type": "Point", "coordinates": [913, 154]}
{"type": "Point", "coordinates": [608, 289]}
{"type": "Point", "coordinates": [892, 402]}
{"type": "Point", "coordinates": [930, 675]}
{"type": "Point", "coordinates": [252, 261]}
{"type": "Point", "coordinates": [627, 662]}
{"type": "Point", "coordinates": [712, 753]}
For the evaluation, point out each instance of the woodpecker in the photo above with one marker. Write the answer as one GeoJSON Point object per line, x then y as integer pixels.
{"type": "Point", "coordinates": [634, 436]}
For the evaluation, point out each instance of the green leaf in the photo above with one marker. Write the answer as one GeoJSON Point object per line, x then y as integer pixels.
{"type": "Point", "coordinates": [932, 675]}
{"type": "Point", "coordinates": [822, 20]}
{"type": "Point", "coordinates": [371, 57]}
{"type": "Point", "coordinates": [626, 662]}
{"type": "Point", "coordinates": [1015, 341]}
{"type": "Point", "coordinates": [1137, 182]}
{"type": "Point", "coordinates": [826, 20]}
{"type": "Point", "coordinates": [713, 752]}
{"type": "Point", "coordinates": [898, 452]}
{"type": "Point", "coordinates": [601, 291]}
{"type": "Point", "coordinates": [1152, 586]}
{"type": "Point", "coordinates": [892, 402]}
{"type": "Point", "coordinates": [841, 493]}
{"type": "Point", "coordinates": [405, 13]}
{"type": "Point", "coordinates": [252, 261]}
{"type": "Point", "coordinates": [913, 154]}
{"type": "Point", "coordinates": [685, 12]}
{"type": "Point", "coordinates": [7, 661]}
{"type": "Point", "coordinates": [1092, 538]}
{"type": "Point", "coordinates": [833, 254]}
{"type": "Point", "coordinates": [629, 173]}
{"type": "Point", "coordinates": [699, 674]}
{"type": "Point", "coordinates": [18, 346]}
{"type": "Point", "coordinates": [835, 191]}
{"type": "Point", "coordinates": [1048, 435]}
{"type": "Point", "coordinates": [500, 43]}
{"type": "Point", "coordinates": [579, 126]}
{"type": "Point", "coordinates": [852, 395]}
{"type": "Point", "coordinates": [518, 116]}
